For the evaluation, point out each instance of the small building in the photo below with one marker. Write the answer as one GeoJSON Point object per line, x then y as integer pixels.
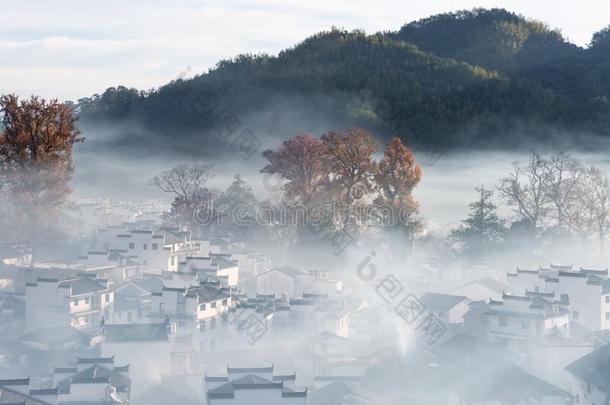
{"type": "Point", "coordinates": [516, 320]}
{"type": "Point", "coordinates": [90, 300]}
{"type": "Point", "coordinates": [81, 302]}
{"type": "Point", "coordinates": [448, 308]}
{"type": "Point", "coordinates": [482, 289]}
{"type": "Point", "coordinates": [292, 282]}
{"type": "Point", "coordinates": [94, 380]}
{"type": "Point", "coordinates": [587, 291]}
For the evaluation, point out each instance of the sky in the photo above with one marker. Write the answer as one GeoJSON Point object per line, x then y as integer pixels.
{"type": "Point", "coordinates": [69, 49]}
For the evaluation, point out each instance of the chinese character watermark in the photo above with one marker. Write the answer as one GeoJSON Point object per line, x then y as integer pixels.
{"type": "Point", "coordinates": [406, 305]}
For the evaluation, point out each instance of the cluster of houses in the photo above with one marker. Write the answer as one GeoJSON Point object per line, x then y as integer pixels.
{"type": "Point", "coordinates": [148, 315]}
{"type": "Point", "coordinates": [550, 324]}
{"type": "Point", "coordinates": [172, 310]}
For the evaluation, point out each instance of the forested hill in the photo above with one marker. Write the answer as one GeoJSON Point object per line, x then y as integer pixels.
{"type": "Point", "coordinates": [470, 78]}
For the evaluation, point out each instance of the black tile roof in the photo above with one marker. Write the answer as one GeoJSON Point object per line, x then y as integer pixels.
{"type": "Point", "coordinates": [442, 302]}
{"type": "Point", "coordinates": [84, 285]}
{"type": "Point", "coordinates": [593, 368]}
{"type": "Point", "coordinates": [252, 382]}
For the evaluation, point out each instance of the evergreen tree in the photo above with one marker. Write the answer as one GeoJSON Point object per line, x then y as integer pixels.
{"type": "Point", "coordinates": [483, 229]}
{"type": "Point", "coordinates": [237, 205]}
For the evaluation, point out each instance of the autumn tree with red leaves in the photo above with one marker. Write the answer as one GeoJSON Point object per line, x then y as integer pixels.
{"type": "Point", "coordinates": [397, 173]}
{"type": "Point", "coordinates": [351, 160]}
{"type": "Point", "coordinates": [340, 168]}
{"type": "Point", "coordinates": [302, 162]}
{"type": "Point", "coordinates": [36, 162]}
{"type": "Point", "coordinates": [396, 176]}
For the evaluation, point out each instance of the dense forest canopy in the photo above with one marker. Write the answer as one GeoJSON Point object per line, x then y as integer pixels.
{"type": "Point", "coordinates": [469, 78]}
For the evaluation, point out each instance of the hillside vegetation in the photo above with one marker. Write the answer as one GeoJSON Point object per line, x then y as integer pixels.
{"type": "Point", "coordinates": [470, 78]}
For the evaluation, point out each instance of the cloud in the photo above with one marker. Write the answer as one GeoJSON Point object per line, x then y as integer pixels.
{"type": "Point", "coordinates": [70, 49]}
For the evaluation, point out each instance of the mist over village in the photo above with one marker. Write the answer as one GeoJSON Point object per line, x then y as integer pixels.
{"type": "Point", "coordinates": [332, 203]}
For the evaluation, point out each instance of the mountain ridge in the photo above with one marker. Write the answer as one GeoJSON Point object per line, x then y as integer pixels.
{"type": "Point", "coordinates": [468, 78]}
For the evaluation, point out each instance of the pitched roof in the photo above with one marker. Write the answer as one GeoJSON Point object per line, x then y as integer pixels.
{"type": "Point", "coordinates": [594, 368]}
{"type": "Point", "coordinates": [98, 373]}
{"type": "Point", "coordinates": [492, 284]}
{"type": "Point", "coordinates": [441, 302]}
{"type": "Point", "coordinates": [252, 381]}
{"type": "Point", "coordinates": [287, 270]}
{"type": "Point", "coordinates": [12, 397]}
{"type": "Point", "coordinates": [207, 293]}
{"type": "Point", "coordinates": [83, 285]}
{"type": "Point", "coordinates": [493, 378]}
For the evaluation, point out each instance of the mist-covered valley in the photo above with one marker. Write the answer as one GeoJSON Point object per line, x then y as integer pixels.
{"type": "Point", "coordinates": [419, 215]}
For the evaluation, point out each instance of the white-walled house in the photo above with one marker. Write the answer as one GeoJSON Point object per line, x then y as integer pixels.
{"type": "Point", "coordinates": [82, 302]}
{"type": "Point", "coordinates": [133, 300]}
{"type": "Point", "coordinates": [586, 291]}
{"type": "Point", "coordinates": [90, 301]}
{"type": "Point", "coordinates": [87, 381]}
{"type": "Point", "coordinates": [304, 316]}
{"type": "Point", "coordinates": [47, 304]}
{"type": "Point", "coordinates": [292, 282]}
{"type": "Point", "coordinates": [482, 289]}
{"type": "Point", "coordinates": [251, 262]}
{"type": "Point", "coordinates": [523, 280]}
{"type": "Point", "coordinates": [448, 308]}
{"type": "Point", "coordinates": [516, 320]}
{"type": "Point", "coordinates": [591, 384]}
{"type": "Point", "coordinates": [195, 316]}
{"type": "Point", "coordinates": [253, 386]}
{"type": "Point", "coordinates": [142, 246]}
{"type": "Point", "coordinates": [181, 250]}
{"type": "Point", "coordinates": [279, 281]}
{"type": "Point", "coordinates": [217, 266]}
{"type": "Point", "coordinates": [93, 380]}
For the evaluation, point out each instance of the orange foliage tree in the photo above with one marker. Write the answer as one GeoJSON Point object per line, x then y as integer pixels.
{"type": "Point", "coordinates": [36, 162]}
